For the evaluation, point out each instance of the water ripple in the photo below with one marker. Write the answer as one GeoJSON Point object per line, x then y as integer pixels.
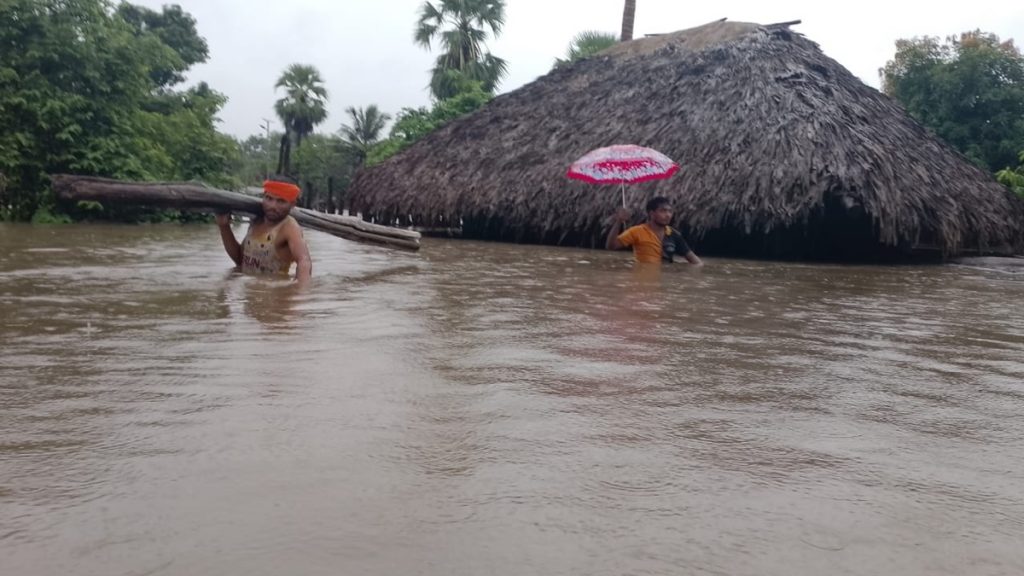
{"type": "Point", "coordinates": [482, 408]}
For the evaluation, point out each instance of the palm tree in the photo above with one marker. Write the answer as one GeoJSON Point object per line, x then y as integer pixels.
{"type": "Point", "coordinates": [366, 128]}
{"type": "Point", "coordinates": [628, 18]}
{"type": "Point", "coordinates": [461, 29]}
{"type": "Point", "coordinates": [586, 44]}
{"type": "Point", "coordinates": [303, 106]}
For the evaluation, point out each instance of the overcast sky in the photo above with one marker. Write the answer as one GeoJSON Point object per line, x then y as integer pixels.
{"type": "Point", "coordinates": [364, 48]}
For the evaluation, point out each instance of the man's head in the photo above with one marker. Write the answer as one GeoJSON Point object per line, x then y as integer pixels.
{"type": "Point", "coordinates": [659, 211]}
{"type": "Point", "coordinates": [279, 196]}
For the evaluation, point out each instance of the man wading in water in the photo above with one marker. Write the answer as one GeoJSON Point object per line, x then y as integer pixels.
{"type": "Point", "coordinates": [653, 241]}
{"type": "Point", "coordinates": [274, 240]}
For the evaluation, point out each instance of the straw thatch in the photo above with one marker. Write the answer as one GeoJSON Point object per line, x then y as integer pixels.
{"type": "Point", "coordinates": [784, 153]}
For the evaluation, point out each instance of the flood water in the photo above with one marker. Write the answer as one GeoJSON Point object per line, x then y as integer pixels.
{"type": "Point", "coordinates": [504, 410]}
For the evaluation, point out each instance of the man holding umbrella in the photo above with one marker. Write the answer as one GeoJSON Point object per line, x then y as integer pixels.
{"type": "Point", "coordinates": [653, 241]}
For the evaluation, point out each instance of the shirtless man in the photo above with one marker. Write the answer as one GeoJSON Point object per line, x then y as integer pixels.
{"type": "Point", "coordinates": [274, 240]}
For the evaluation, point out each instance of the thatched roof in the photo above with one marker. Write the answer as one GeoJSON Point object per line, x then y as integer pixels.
{"type": "Point", "coordinates": [783, 152]}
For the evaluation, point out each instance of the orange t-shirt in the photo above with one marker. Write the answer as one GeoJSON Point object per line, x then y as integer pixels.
{"type": "Point", "coordinates": [645, 242]}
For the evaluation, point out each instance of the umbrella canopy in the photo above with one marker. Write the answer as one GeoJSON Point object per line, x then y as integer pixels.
{"type": "Point", "coordinates": [622, 164]}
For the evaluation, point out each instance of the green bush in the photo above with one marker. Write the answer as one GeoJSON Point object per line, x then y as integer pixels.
{"type": "Point", "coordinates": [412, 124]}
{"type": "Point", "coordinates": [89, 89]}
{"type": "Point", "coordinates": [1014, 178]}
{"type": "Point", "coordinates": [44, 215]}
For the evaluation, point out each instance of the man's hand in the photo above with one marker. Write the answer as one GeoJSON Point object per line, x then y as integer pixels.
{"type": "Point", "coordinates": [231, 245]}
{"type": "Point", "coordinates": [621, 216]}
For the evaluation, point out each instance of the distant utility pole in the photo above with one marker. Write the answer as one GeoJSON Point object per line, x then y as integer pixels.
{"type": "Point", "coordinates": [266, 165]}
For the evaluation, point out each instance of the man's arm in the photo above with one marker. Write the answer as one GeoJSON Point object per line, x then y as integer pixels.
{"type": "Point", "coordinates": [300, 253]}
{"type": "Point", "coordinates": [231, 245]}
{"type": "Point", "coordinates": [683, 248]}
{"type": "Point", "coordinates": [612, 242]}
{"type": "Point", "coordinates": [693, 259]}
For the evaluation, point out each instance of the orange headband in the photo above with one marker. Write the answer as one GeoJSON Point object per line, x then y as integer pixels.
{"type": "Point", "coordinates": [282, 190]}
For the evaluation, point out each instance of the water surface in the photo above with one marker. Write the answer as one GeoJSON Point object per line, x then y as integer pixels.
{"type": "Point", "coordinates": [495, 409]}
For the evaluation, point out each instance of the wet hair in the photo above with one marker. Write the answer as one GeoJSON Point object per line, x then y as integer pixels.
{"type": "Point", "coordinates": [657, 202]}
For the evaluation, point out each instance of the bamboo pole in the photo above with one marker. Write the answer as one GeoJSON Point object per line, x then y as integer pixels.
{"type": "Point", "coordinates": [190, 196]}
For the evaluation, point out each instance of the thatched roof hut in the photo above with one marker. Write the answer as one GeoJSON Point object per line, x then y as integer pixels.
{"type": "Point", "coordinates": [784, 153]}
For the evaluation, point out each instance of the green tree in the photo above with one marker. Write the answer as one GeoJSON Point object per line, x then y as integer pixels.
{"type": "Point", "coordinates": [461, 29]}
{"type": "Point", "coordinates": [185, 134]}
{"type": "Point", "coordinates": [69, 79]}
{"type": "Point", "coordinates": [326, 165]}
{"type": "Point", "coordinates": [365, 128]}
{"type": "Point", "coordinates": [412, 124]}
{"type": "Point", "coordinates": [176, 29]}
{"type": "Point", "coordinates": [628, 20]}
{"type": "Point", "coordinates": [303, 106]}
{"type": "Point", "coordinates": [586, 44]}
{"type": "Point", "coordinates": [79, 93]}
{"type": "Point", "coordinates": [257, 155]}
{"type": "Point", "coordinates": [968, 89]}
{"type": "Point", "coordinates": [1014, 178]}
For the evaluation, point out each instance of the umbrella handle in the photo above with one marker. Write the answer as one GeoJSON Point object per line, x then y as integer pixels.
{"type": "Point", "coordinates": [623, 194]}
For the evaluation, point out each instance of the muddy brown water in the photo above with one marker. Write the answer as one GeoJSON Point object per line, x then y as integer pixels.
{"type": "Point", "coordinates": [496, 409]}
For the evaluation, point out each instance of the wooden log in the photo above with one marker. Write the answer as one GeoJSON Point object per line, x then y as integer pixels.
{"type": "Point", "coordinates": [191, 196]}
{"type": "Point", "coordinates": [784, 24]}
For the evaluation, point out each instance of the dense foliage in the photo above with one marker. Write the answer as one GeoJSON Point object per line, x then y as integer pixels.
{"type": "Point", "coordinates": [968, 89]}
{"type": "Point", "coordinates": [1014, 178]}
{"type": "Point", "coordinates": [94, 88]}
{"type": "Point", "coordinates": [89, 89]}
{"type": "Point", "coordinates": [586, 44]}
{"type": "Point", "coordinates": [412, 124]}
{"type": "Point", "coordinates": [461, 29]}
{"type": "Point", "coordinates": [301, 109]}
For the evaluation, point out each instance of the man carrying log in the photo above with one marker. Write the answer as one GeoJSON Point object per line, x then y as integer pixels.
{"type": "Point", "coordinates": [653, 241]}
{"type": "Point", "coordinates": [274, 240]}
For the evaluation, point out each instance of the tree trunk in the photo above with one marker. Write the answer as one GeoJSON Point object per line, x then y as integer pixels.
{"type": "Point", "coordinates": [331, 201]}
{"type": "Point", "coordinates": [628, 19]}
{"type": "Point", "coordinates": [284, 155]}
{"type": "Point", "coordinates": [3, 196]}
{"type": "Point", "coordinates": [200, 198]}
{"type": "Point", "coordinates": [309, 196]}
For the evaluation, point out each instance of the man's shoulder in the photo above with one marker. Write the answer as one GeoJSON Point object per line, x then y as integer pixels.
{"type": "Point", "coordinates": [291, 226]}
{"type": "Point", "coordinates": [631, 235]}
{"type": "Point", "coordinates": [676, 238]}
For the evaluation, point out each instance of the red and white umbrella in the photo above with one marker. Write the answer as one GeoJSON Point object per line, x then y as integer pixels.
{"type": "Point", "coordinates": [622, 164]}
